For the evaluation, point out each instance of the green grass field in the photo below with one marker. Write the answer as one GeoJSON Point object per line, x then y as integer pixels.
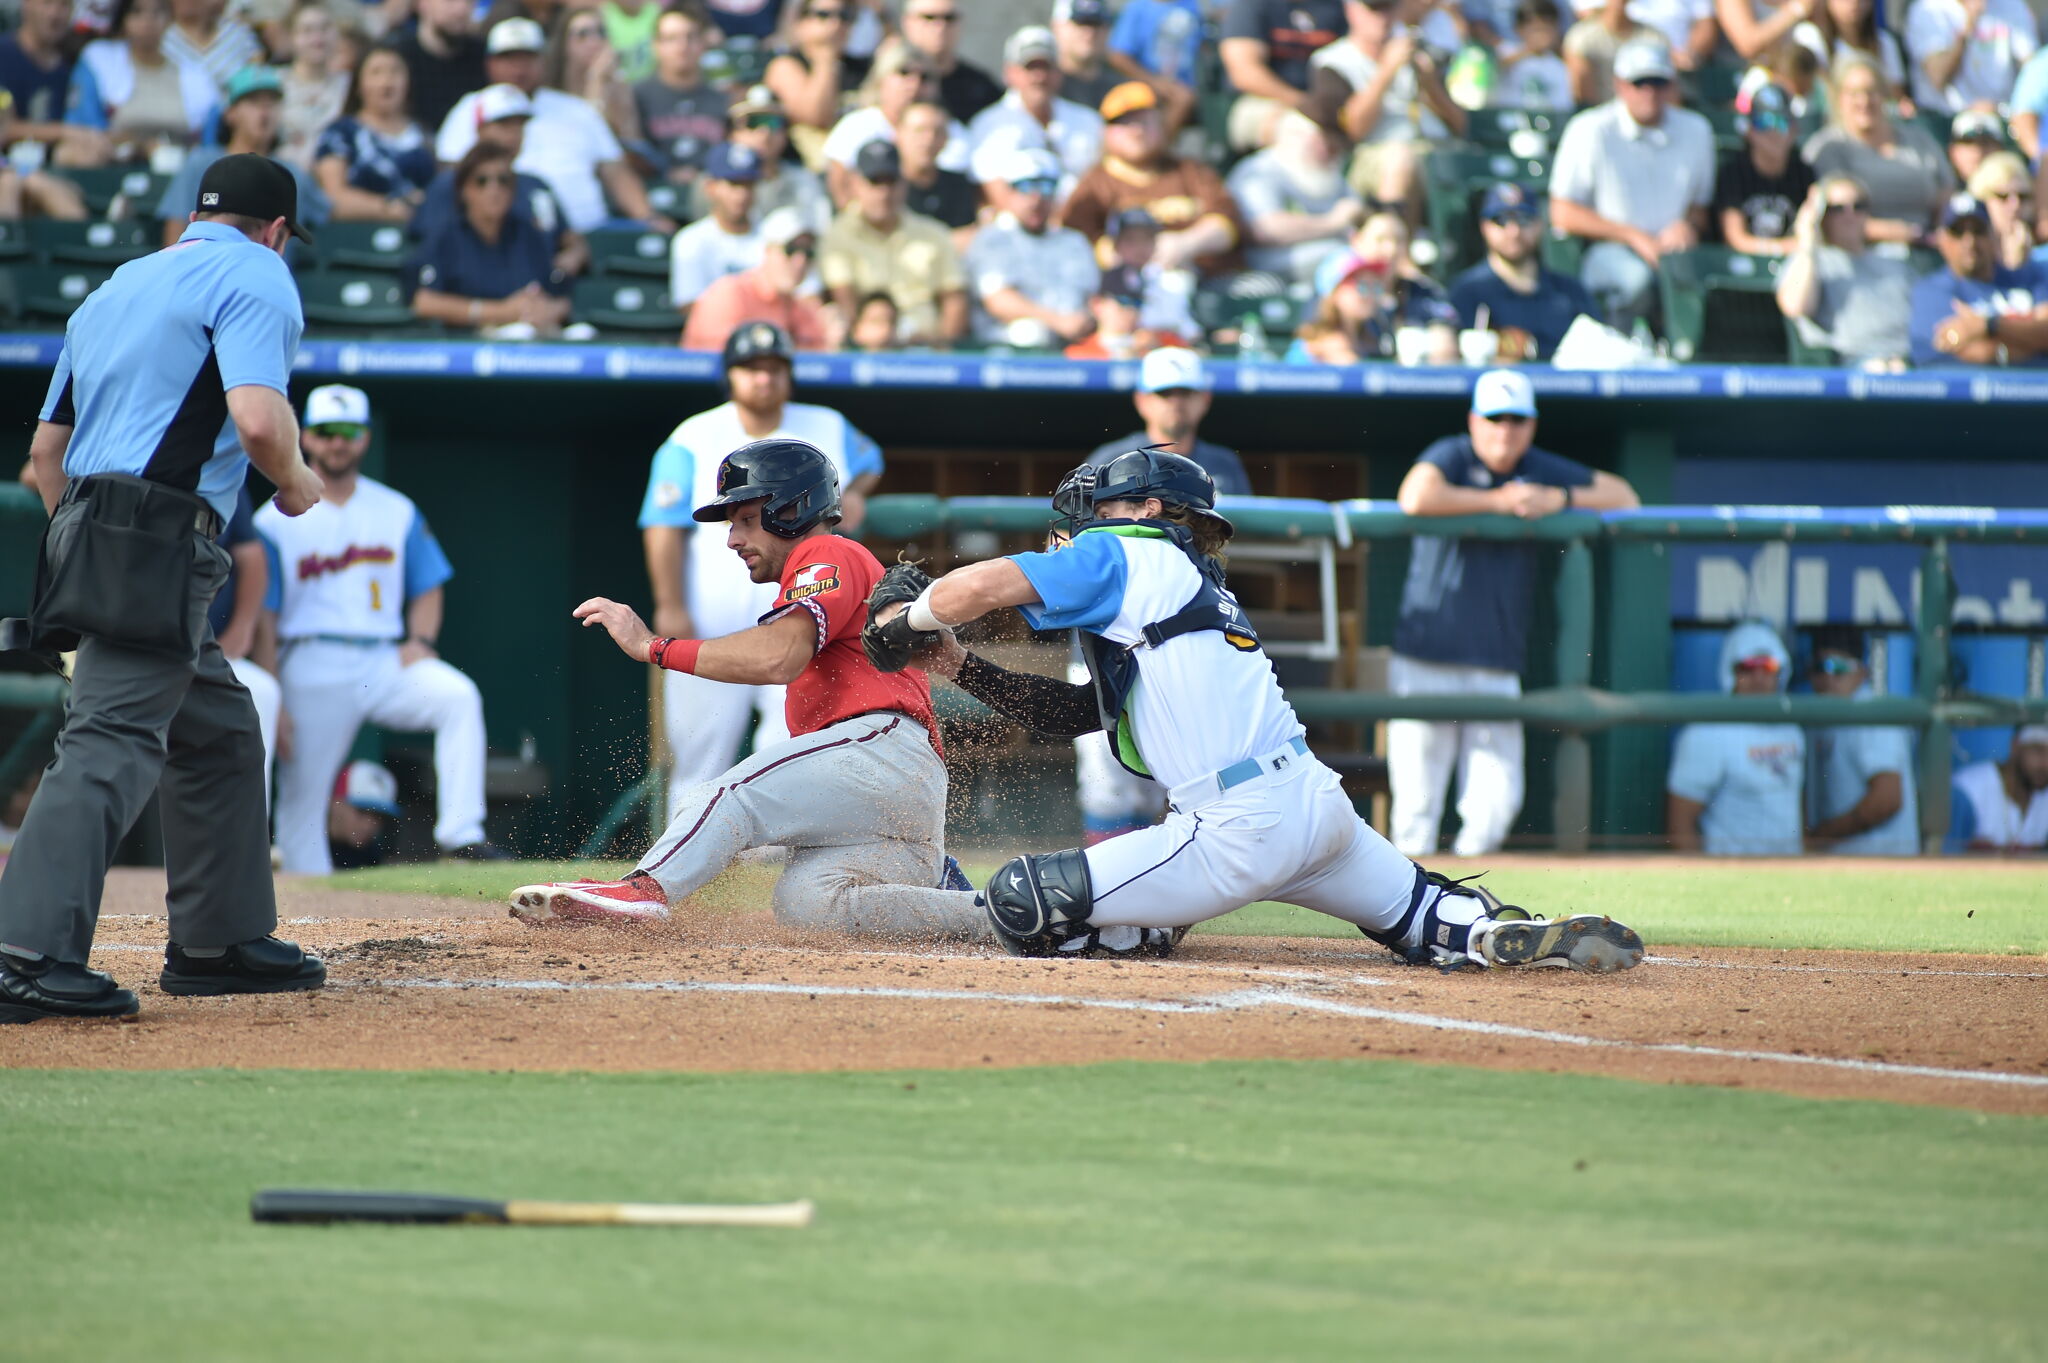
{"type": "Point", "coordinates": [1942, 906]}
{"type": "Point", "coordinates": [1221, 1211]}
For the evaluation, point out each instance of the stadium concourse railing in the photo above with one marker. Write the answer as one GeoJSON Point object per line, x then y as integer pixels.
{"type": "Point", "coordinates": [1573, 706]}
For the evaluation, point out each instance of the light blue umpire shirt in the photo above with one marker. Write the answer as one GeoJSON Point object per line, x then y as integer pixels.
{"type": "Point", "coordinates": [149, 358]}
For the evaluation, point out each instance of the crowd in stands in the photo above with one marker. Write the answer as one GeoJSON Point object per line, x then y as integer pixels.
{"type": "Point", "coordinates": [1324, 181]}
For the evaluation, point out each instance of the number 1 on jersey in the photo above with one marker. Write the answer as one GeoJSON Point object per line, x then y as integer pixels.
{"type": "Point", "coordinates": [376, 595]}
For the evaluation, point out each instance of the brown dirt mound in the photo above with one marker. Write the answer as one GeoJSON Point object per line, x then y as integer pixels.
{"type": "Point", "coordinates": [424, 984]}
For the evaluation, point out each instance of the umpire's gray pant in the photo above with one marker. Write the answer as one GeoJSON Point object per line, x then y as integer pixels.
{"type": "Point", "coordinates": [138, 722]}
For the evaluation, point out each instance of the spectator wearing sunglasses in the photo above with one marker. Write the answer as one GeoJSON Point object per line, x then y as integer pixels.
{"type": "Point", "coordinates": [1510, 293]}
{"type": "Point", "coordinates": [1734, 788]}
{"type": "Point", "coordinates": [1859, 782]}
{"type": "Point", "coordinates": [1633, 177]}
{"type": "Point", "coordinates": [1760, 187]}
{"type": "Point", "coordinates": [1838, 291]}
{"type": "Point", "coordinates": [681, 118]}
{"type": "Point", "coordinates": [489, 266]}
{"type": "Point", "coordinates": [758, 123]}
{"type": "Point", "coordinates": [770, 292]}
{"type": "Point", "coordinates": [2005, 187]}
{"type": "Point", "coordinates": [1032, 114]}
{"type": "Point", "coordinates": [932, 29]}
{"type": "Point", "coordinates": [901, 78]}
{"type": "Point", "coordinates": [1975, 311]}
{"type": "Point", "coordinates": [1464, 621]}
{"type": "Point", "coordinates": [813, 75]}
{"type": "Point", "coordinates": [1032, 280]}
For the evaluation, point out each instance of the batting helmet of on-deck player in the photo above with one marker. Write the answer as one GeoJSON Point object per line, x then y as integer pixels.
{"type": "Point", "coordinates": [758, 341]}
{"type": "Point", "coordinates": [795, 481]}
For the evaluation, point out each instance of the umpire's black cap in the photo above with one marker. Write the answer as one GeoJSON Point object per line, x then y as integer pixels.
{"type": "Point", "coordinates": [253, 186]}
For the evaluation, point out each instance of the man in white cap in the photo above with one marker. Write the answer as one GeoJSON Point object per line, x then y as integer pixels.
{"type": "Point", "coordinates": [1633, 177]}
{"type": "Point", "coordinates": [2003, 806]}
{"type": "Point", "coordinates": [1464, 622]}
{"type": "Point", "coordinates": [1734, 787]}
{"type": "Point", "coordinates": [1032, 114]}
{"type": "Point", "coordinates": [773, 291]}
{"type": "Point", "coordinates": [1032, 280]}
{"type": "Point", "coordinates": [356, 605]}
{"type": "Point", "coordinates": [568, 144]}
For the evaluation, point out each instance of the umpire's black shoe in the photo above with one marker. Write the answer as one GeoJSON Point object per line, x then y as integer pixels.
{"type": "Point", "coordinates": [33, 990]}
{"type": "Point", "coordinates": [264, 966]}
{"type": "Point", "coordinates": [477, 851]}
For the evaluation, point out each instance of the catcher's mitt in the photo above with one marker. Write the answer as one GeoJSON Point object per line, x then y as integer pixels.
{"type": "Point", "coordinates": [890, 646]}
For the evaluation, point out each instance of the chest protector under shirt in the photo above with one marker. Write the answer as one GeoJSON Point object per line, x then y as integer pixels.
{"type": "Point", "coordinates": [1113, 667]}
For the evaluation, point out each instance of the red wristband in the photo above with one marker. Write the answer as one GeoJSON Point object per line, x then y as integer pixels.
{"type": "Point", "coordinates": [675, 655]}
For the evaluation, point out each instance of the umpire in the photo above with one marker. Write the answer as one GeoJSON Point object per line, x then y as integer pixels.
{"type": "Point", "coordinates": [170, 384]}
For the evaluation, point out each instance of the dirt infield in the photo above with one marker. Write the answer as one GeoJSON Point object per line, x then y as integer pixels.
{"type": "Point", "coordinates": [422, 983]}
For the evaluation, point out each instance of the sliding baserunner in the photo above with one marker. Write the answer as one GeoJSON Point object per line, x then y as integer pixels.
{"type": "Point", "coordinates": [1187, 697]}
{"type": "Point", "coordinates": [857, 794]}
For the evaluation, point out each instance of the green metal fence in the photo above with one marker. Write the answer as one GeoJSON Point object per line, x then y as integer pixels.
{"type": "Point", "coordinates": [1573, 706]}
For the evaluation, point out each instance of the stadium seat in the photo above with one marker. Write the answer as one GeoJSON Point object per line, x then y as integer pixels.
{"type": "Point", "coordinates": [1716, 84]}
{"type": "Point", "coordinates": [1281, 308]}
{"type": "Point", "coordinates": [624, 305]}
{"type": "Point", "coordinates": [1723, 120]}
{"type": "Point", "coordinates": [338, 298]}
{"type": "Point", "coordinates": [92, 243]}
{"type": "Point", "coordinates": [629, 253]}
{"type": "Point", "coordinates": [1455, 181]}
{"type": "Point", "coordinates": [1718, 305]}
{"type": "Point", "coordinates": [1563, 254]}
{"type": "Point", "coordinates": [104, 184]}
{"type": "Point", "coordinates": [362, 246]}
{"type": "Point", "coordinates": [671, 201]}
{"type": "Point", "coordinates": [13, 241]}
{"type": "Point", "coordinates": [1510, 130]}
{"type": "Point", "coordinates": [1806, 343]}
{"type": "Point", "coordinates": [54, 291]}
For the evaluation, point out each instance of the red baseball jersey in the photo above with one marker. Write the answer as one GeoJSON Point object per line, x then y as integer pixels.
{"type": "Point", "coordinates": [830, 577]}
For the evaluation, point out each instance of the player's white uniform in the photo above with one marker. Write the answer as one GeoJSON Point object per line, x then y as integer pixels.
{"type": "Point", "coordinates": [704, 720]}
{"type": "Point", "coordinates": [340, 578]}
{"type": "Point", "coordinates": [1253, 815]}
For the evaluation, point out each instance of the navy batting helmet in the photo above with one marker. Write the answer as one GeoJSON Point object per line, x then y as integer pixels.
{"type": "Point", "coordinates": [758, 341]}
{"type": "Point", "coordinates": [1155, 472]}
{"type": "Point", "coordinates": [795, 481]}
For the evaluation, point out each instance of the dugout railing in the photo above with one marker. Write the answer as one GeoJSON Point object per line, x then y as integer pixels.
{"type": "Point", "coordinates": [1572, 705]}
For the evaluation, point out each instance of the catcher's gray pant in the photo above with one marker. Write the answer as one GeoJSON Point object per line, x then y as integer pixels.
{"type": "Point", "coordinates": [861, 806]}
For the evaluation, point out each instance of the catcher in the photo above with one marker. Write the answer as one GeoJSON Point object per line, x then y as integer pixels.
{"type": "Point", "coordinates": [857, 794]}
{"type": "Point", "coordinates": [1181, 687]}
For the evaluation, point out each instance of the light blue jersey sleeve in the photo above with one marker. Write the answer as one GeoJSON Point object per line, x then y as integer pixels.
{"type": "Point", "coordinates": [426, 567]}
{"type": "Point", "coordinates": [256, 325]}
{"type": "Point", "coordinates": [2030, 91]}
{"type": "Point", "coordinates": [668, 487]}
{"type": "Point", "coordinates": [863, 456]}
{"type": "Point", "coordinates": [1696, 764]}
{"type": "Point", "coordinates": [1962, 821]}
{"type": "Point", "coordinates": [84, 108]}
{"type": "Point", "coordinates": [1079, 587]}
{"type": "Point", "coordinates": [273, 593]}
{"type": "Point", "coordinates": [57, 404]}
{"type": "Point", "coordinates": [1877, 748]}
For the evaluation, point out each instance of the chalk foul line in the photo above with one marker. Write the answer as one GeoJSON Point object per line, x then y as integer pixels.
{"type": "Point", "coordinates": [1220, 1003]}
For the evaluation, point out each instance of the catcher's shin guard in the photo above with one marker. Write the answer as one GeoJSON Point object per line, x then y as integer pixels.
{"type": "Point", "coordinates": [1036, 903]}
{"type": "Point", "coordinates": [1425, 936]}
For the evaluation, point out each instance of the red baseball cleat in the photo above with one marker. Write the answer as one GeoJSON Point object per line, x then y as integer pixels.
{"type": "Point", "coordinates": [633, 902]}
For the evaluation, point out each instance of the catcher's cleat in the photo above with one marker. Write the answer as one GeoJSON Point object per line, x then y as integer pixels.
{"type": "Point", "coordinates": [954, 878]}
{"type": "Point", "coordinates": [636, 901]}
{"type": "Point", "coordinates": [1583, 941]}
{"type": "Point", "coordinates": [1121, 943]}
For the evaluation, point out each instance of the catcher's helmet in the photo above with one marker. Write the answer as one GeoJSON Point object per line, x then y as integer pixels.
{"type": "Point", "coordinates": [758, 341]}
{"type": "Point", "coordinates": [1150, 472]}
{"type": "Point", "coordinates": [797, 482]}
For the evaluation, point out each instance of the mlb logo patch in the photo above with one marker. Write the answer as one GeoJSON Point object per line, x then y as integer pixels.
{"type": "Point", "coordinates": [210, 200]}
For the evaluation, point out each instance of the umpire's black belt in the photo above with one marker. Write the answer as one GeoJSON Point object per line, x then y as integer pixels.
{"type": "Point", "coordinates": [157, 506]}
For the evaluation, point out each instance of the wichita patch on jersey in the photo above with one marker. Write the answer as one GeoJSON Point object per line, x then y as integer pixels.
{"type": "Point", "coordinates": [1200, 703]}
{"type": "Point", "coordinates": [347, 570]}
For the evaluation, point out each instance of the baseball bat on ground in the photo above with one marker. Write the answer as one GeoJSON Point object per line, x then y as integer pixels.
{"type": "Point", "coordinates": [319, 1206]}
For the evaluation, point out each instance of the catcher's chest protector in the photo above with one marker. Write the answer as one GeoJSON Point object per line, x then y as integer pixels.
{"type": "Point", "coordinates": [1113, 667]}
